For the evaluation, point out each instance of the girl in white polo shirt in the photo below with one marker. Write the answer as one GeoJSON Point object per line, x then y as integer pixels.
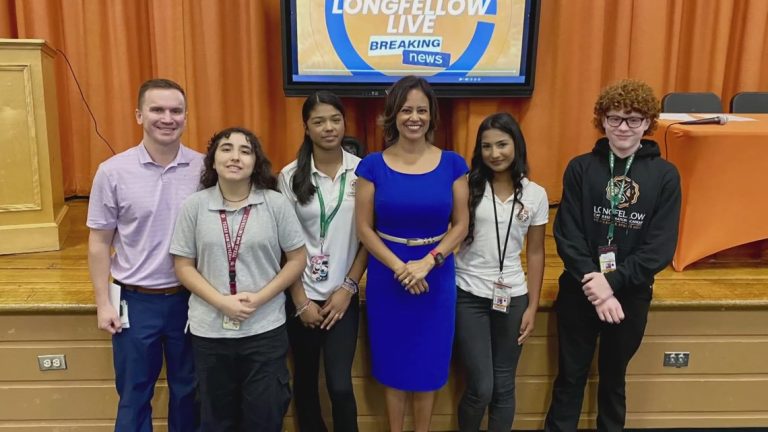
{"type": "Point", "coordinates": [495, 307]}
{"type": "Point", "coordinates": [321, 186]}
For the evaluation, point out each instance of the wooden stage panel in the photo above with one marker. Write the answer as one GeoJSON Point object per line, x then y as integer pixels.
{"type": "Point", "coordinates": [716, 310]}
{"type": "Point", "coordinates": [58, 281]}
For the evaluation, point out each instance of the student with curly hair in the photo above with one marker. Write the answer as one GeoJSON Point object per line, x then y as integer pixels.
{"type": "Point", "coordinates": [227, 248]}
{"type": "Point", "coordinates": [616, 227]}
{"type": "Point", "coordinates": [496, 305]}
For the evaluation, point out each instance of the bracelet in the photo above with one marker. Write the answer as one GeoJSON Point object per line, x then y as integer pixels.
{"type": "Point", "coordinates": [301, 310]}
{"type": "Point", "coordinates": [350, 285]}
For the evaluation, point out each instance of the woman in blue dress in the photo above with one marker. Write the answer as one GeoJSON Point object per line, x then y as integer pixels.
{"type": "Point", "coordinates": [412, 212]}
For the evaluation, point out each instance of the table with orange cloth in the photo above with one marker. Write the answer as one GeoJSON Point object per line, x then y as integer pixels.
{"type": "Point", "coordinates": [723, 170]}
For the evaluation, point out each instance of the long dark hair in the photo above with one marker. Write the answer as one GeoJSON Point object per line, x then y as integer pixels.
{"type": "Point", "coordinates": [480, 173]}
{"type": "Point", "coordinates": [396, 96]}
{"type": "Point", "coordinates": [302, 178]}
{"type": "Point", "coordinates": [261, 177]}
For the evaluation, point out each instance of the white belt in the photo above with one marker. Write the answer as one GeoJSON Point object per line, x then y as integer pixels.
{"type": "Point", "coordinates": [412, 241]}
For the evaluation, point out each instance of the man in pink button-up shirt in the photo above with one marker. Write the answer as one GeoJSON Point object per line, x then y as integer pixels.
{"type": "Point", "coordinates": [133, 205]}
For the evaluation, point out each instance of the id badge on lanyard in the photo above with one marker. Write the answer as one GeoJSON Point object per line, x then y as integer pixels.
{"type": "Point", "coordinates": [319, 264]}
{"type": "Point", "coordinates": [502, 291]}
{"type": "Point", "coordinates": [501, 295]}
{"type": "Point", "coordinates": [607, 257]}
{"type": "Point", "coordinates": [232, 252]}
{"type": "Point", "coordinates": [230, 324]}
{"type": "Point", "coordinates": [607, 254]}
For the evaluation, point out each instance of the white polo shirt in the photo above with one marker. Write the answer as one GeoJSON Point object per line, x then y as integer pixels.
{"type": "Point", "coordinates": [341, 242]}
{"type": "Point", "coordinates": [477, 265]}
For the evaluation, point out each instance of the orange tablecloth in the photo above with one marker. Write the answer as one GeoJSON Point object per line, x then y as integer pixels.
{"type": "Point", "coordinates": [724, 173]}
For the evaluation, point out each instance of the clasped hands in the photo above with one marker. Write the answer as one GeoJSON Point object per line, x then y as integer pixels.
{"type": "Point", "coordinates": [239, 306]}
{"type": "Point", "coordinates": [600, 294]}
{"type": "Point", "coordinates": [327, 316]}
{"type": "Point", "coordinates": [411, 274]}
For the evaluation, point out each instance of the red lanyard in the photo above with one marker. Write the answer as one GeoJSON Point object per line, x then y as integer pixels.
{"type": "Point", "coordinates": [232, 250]}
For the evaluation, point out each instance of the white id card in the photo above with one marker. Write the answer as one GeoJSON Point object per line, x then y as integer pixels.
{"type": "Point", "coordinates": [319, 267]}
{"type": "Point", "coordinates": [121, 306]}
{"type": "Point", "coordinates": [124, 321]}
{"type": "Point", "coordinates": [230, 324]}
{"type": "Point", "coordinates": [500, 296]}
{"type": "Point", "coordinates": [607, 256]}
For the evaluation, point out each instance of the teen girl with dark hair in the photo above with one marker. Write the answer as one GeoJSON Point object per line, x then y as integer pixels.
{"type": "Point", "coordinates": [320, 184]}
{"type": "Point", "coordinates": [495, 305]}
{"type": "Point", "coordinates": [228, 243]}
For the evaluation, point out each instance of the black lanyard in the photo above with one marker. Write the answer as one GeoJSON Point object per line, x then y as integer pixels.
{"type": "Point", "coordinates": [233, 250]}
{"type": "Point", "coordinates": [503, 253]}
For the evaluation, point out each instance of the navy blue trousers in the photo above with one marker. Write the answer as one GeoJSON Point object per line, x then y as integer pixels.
{"type": "Point", "coordinates": [156, 332]}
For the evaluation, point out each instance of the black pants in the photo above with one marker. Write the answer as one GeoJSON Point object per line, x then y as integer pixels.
{"type": "Point", "coordinates": [578, 329]}
{"type": "Point", "coordinates": [243, 382]}
{"type": "Point", "coordinates": [337, 346]}
{"type": "Point", "coordinates": [486, 342]}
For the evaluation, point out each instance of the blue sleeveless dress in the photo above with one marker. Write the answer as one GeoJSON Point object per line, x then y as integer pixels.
{"type": "Point", "coordinates": [411, 336]}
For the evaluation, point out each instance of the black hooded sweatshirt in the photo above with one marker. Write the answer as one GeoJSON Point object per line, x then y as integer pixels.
{"type": "Point", "coordinates": [647, 217]}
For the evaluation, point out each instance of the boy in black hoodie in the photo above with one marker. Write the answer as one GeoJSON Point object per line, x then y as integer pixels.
{"type": "Point", "coordinates": [616, 227]}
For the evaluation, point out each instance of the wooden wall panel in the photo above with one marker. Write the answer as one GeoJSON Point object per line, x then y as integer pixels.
{"type": "Point", "coordinates": [726, 383]}
{"type": "Point", "coordinates": [50, 327]}
{"type": "Point", "coordinates": [85, 361]}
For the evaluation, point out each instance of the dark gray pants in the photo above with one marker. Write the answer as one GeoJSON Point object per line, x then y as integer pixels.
{"type": "Point", "coordinates": [486, 341]}
{"type": "Point", "coordinates": [337, 348]}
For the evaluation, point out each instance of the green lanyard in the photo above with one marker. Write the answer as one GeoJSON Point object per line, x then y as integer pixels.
{"type": "Point", "coordinates": [616, 193]}
{"type": "Point", "coordinates": [325, 220]}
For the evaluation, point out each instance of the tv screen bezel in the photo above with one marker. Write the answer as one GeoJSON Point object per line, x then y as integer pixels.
{"type": "Point", "coordinates": [369, 89]}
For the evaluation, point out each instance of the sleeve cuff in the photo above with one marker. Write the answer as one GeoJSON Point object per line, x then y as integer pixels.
{"type": "Point", "coordinates": [614, 280]}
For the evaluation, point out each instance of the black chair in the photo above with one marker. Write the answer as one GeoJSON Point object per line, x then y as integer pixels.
{"type": "Point", "coordinates": [691, 103]}
{"type": "Point", "coordinates": [750, 102]}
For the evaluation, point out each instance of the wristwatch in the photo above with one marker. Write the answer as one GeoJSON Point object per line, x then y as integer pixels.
{"type": "Point", "coordinates": [439, 258]}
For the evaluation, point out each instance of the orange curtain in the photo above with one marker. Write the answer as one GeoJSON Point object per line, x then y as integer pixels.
{"type": "Point", "coordinates": [227, 56]}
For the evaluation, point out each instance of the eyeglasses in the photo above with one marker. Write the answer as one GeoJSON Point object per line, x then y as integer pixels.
{"type": "Point", "coordinates": [632, 122]}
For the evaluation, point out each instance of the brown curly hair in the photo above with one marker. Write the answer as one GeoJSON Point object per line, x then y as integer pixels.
{"type": "Point", "coordinates": [261, 178]}
{"type": "Point", "coordinates": [627, 95]}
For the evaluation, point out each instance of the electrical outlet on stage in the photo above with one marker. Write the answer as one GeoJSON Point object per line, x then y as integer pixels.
{"type": "Point", "coordinates": [52, 362]}
{"type": "Point", "coordinates": [676, 359]}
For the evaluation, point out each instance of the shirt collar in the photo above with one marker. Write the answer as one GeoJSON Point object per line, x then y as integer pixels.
{"type": "Point", "coordinates": [183, 157]}
{"type": "Point", "coordinates": [487, 193]}
{"type": "Point", "coordinates": [216, 200]}
{"type": "Point", "coordinates": [347, 164]}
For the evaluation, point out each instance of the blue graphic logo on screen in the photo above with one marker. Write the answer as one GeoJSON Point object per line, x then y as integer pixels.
{"type": "Point", "coordinates": [400, 22]}
{"type": "Point", "coordinates": [426, 58]}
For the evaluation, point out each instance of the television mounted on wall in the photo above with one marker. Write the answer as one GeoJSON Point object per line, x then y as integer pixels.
{"type": "Point", "coordinates": [464, 48]}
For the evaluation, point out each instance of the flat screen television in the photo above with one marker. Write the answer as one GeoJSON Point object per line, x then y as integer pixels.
{"type": "Point", "coordinates": [464, 48]}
